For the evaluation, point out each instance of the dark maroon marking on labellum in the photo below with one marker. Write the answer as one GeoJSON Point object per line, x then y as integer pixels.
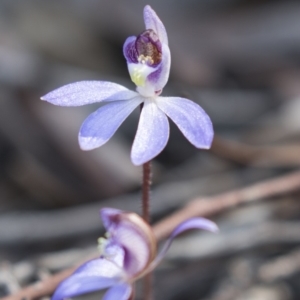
{"type": "Point", "coordinates": [148, 47]}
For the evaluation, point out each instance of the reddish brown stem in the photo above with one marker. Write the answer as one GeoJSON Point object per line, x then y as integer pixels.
{"type": "Point", "coordinates": [146, 191]}
{"type": "Point", "coordinates": [146, 215]}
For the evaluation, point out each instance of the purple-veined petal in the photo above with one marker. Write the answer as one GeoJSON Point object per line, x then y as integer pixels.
{"type": "Point", "coordinates": [100, 126]}
{"type": "Point", "coordinates": [152, 21]}
{"type": "Point", "coordinates": [136, 245]}
{"type": "Point", "coordinates": [94, 275]}
{"type": "Point", "coordinates": [152, 133]}
{"type": "Point", "coordinates": [129, 231]}
{"type": "Point", "coordinates": [86, 92]}
{"type": "Point", "coordinates": [119, 292]}
{"type": "Point", "coordinates": [129, 50]}
{"type": "Point", "coordinates": [190, 118]}
{"type": "Point", "coordinates": [193, 223]}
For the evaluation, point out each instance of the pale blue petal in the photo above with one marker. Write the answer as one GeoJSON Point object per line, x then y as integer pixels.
{"type": "Point", "coordinates": [86, 92]}
{"type": "Point", "coordinates": [152, 134]}
{"type": "Point", "coordinates": [119, 292]}
{"type": "Point", "coordinates": [100, 126]}
{"type": "Point", "coordinates": [193, 223]}
{"type": "Point", "coordinates": [99, 267]}
{"type": "Point", "coordinates": [92, 276]}
{"type": "Point", "coordinates": [190, 118]}
{"type": "Point", "coordinates": [115, 253]}
{"type": "Point", "coordinates": [152, 21]}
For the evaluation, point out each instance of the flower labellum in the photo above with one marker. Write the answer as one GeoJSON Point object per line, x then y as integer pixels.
{"type": "Point", "coordinates": [143, 54]}
{"type": "Point", "coordinates": [148, 60]}
{"type": "Point", "coordinates": [127, 253]}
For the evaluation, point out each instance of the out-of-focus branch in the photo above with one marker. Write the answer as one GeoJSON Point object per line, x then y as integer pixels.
{"type": "Point", "coordinates": [41, 288]}
{"type": "Point", "coordinates": [197, 207]}
{"type": "Point", "coordinates": [215, 204]}
{"type": "Point", "coordinates": [262, 156]}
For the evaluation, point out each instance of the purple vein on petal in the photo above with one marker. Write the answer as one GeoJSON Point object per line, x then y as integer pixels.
{"type": "Point", "coordinates": [100, 126]}
{"type": "Point", "coordinates": [190, 118]}
{"type": "Point", "coordinates": [86, 92]}
{"type": "Point", "coordinates": [152, 134]}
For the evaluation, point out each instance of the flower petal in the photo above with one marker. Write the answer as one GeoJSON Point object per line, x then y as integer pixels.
{"type": "Point", "coordinates": [190, 118]}
{"type": "Point", "coordinates": [193, 223]}
{"type": "Point", "coordinates": [120, 292]}
{"type": "Point", "coordinates": [92, 276]}
{"type": "Point", "coordinates": [129, 231]}
{"type": "Point", "coordinates": [112, 251]}
{"type": "Point", "coordinates": [152, 133]}
{"type": "Point", "coordinates": [86, 92]}
{"type": "Point", "coordinates": [152, 21]}
{"type": "Point", "coordinates": [100, 126]}
{"type": "Point", "coordinates": [136, 245]}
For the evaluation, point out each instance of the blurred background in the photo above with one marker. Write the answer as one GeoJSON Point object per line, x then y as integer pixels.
{"type": "Point", "coordinates": [239, 59]}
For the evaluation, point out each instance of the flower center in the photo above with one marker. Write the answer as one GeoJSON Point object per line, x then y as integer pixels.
{"type": "Point", "coordinates": [148, 48]}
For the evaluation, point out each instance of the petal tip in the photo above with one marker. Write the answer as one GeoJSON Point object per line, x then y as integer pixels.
{"type": "Point", "coordinates": [88, 143]}
{"type": "Point", "coordinates": [195, 223]}
{"type": "Point", "coordinates": [148, 8]}
{"type": "Point", "coordinates": [214, 228]}
{"type": "Point", "coordinates": [46, 98]}
{"type": "Point", "coordinates": [209, 225]}
{"type": "Point", "coordinates": [152, 21]}
{"type": "Point", "coordinates": [136, 161]}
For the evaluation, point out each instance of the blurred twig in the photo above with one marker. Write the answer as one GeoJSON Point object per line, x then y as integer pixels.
{"type": "Point", "coordinates": [281, 267]}
{"type": "Point", "coordinates": [211, 205]}
{"type": "Point", "coordinates": [262, 156]}
{"type": "Point", "coordinates": [197, 207]}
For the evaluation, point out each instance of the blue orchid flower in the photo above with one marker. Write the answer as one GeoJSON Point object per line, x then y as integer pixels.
{"type": "Point", "coordinates": [127, 253]}
{"type": "Point", "coordinates": [148, 60]}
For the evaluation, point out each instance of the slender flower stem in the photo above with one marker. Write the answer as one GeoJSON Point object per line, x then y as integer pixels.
{"type": "Point", "coordinates": [146, 215]}
{"type": "Point", "coordinates": [146, 191]}
{"type": "Point", "coordinates": [148, 284]}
